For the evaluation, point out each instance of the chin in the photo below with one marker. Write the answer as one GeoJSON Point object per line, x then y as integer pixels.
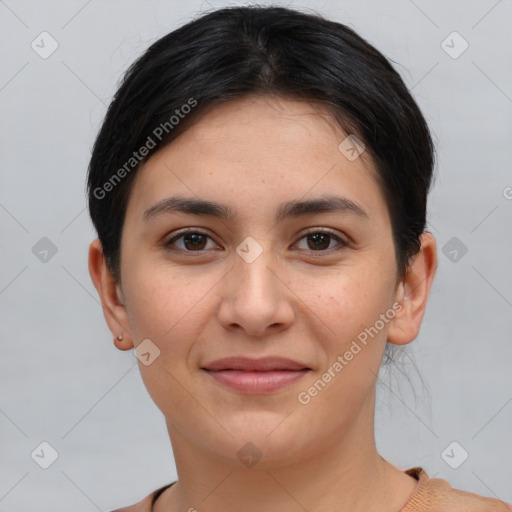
{"type": "Point", "coordinates": [263, 445]}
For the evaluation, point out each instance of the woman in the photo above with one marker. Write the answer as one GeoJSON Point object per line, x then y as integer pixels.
{"type": "Point", "coordinates": [259, 189]}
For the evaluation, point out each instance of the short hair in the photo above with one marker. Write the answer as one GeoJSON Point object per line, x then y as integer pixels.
{"type": "Point", "coordinates": [234, 52]}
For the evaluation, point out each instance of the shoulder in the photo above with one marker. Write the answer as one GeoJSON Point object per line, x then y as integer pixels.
{"type": "Point", "coordinates": [436, 494]}
{"type": "Point", "coordinates": [146, 504]}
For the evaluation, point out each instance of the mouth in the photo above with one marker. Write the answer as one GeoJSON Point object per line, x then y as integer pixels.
{"type": "Point", "coordinates": [264, 364]}
{"type": "Point", "coordinates": [256, 376]}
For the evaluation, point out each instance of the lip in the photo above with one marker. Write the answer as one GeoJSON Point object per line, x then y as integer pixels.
{"type": "Point", "coordinates": [256, 376]}
{"type": "Point", "coordinates": [256, 383]}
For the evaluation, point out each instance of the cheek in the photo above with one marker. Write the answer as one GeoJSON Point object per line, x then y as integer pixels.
{"type": "Point", "coordinates": [345, 302]}
{"type": "Point", "coordinates": [351, 338]}
{"type": "Point", "coordinates": [171, 308]}
{"type": "Point", "coordinates": [344, 313]}
{"type": "Point", "coordinates": [166, 308]}
{"type": "Point", "coordinates": [164, 298]}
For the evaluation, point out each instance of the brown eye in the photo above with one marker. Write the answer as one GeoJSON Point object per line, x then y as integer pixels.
{"type": "Point", "coordinates": [193, 241]}
{"type": "Point", "coordinates": [197, 241]}
{"type": "Point", "coordinates": [320, 240]}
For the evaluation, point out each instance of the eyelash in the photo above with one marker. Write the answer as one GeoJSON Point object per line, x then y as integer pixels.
{"type": "Point", "coordinates": [324, 231]}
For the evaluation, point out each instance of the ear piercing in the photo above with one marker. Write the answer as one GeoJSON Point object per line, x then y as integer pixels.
{"type": "Point", "coordinates": [119, 337]}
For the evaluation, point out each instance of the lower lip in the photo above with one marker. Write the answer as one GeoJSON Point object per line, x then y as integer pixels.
{"type": "Point", "coordinates": [257, 382]}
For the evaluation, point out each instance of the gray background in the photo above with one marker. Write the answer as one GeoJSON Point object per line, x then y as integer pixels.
{"type": "Point", "coordinates": [64, 382]}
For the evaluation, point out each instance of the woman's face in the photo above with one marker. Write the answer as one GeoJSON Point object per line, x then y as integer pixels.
{"type": "Point", "coordinates": [256, 284]}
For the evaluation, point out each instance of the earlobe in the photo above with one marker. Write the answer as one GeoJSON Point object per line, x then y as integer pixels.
{"type": "Point", "coordinates": [121, 343]}
{"type": "Point", "coordinates": [113, 309]}
{"type": "Point", "coordinates": [412, 293]}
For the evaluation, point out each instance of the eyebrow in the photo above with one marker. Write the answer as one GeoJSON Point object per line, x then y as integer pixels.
{"type": "Point", "coordinates": [190, 205]}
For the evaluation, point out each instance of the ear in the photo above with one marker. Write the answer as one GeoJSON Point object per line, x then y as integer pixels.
{"type": "Point", "coordinates": [412, 293]}
{"type": "Point", "coordinates": [113, 308]}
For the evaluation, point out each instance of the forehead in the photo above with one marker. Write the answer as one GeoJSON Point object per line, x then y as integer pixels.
{"type": "Point", "coordinates": [255, 152]}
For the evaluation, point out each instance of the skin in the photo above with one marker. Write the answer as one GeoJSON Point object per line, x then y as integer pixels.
{"type": "Point", "coordinates": [302, 300]}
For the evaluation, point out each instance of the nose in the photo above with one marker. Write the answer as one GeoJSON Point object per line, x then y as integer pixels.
{"type": "Point", "coordinates": [256, 297]}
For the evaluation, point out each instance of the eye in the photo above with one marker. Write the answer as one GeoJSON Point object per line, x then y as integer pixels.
{"type": "Point", "coordinates": [319, 240]}
{"type": "Point", "coordinates": [193, 240]}
{"type": "Point", "coordinates": [196, 241]}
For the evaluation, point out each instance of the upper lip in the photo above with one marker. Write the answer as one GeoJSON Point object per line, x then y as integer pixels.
{"type": "Point", "coordinates": [256, 365]}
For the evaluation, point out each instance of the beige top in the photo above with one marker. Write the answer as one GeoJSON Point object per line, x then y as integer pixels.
{"type": "Point", "coordinates": [431, 495]}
